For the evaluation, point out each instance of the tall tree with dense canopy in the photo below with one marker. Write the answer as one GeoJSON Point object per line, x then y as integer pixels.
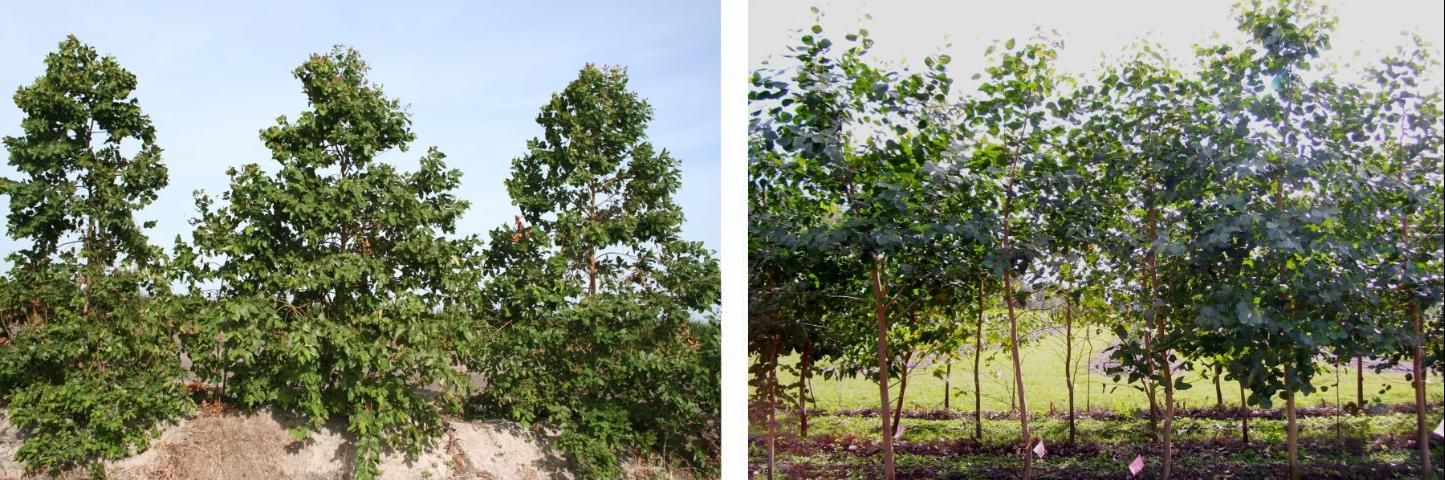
{"type": "Point", "coordinates": [91, 368]}
{"type": "Point", "coordinates": [596, 300]}
{"type": "Point", "coordinates": [343, 291]}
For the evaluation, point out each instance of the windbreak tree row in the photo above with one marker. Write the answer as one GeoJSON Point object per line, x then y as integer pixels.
{"type": "Point", "coordinates": [1251, 216]}
{"type": "Point", "coordinates": [337, 286]}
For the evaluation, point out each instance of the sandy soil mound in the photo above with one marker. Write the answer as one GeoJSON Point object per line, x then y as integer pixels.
{"type": "Point", "coordinates": [236, 446]}
{"type": "Point", "coordinates": [9, 443]}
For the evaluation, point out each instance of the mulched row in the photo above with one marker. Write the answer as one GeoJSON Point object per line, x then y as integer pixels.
{"type": "Point", "coordinates": [1209, 413]}
{"type": "Point", "coordinates": [856, 457]}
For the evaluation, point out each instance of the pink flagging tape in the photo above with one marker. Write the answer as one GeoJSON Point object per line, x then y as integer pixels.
{"type": "Point", "coordinates": [1137, 466]}
{"type": "Point", "coordinates": [1039, 449]}
{"type": "Point", "coordinates": [1440, 430]}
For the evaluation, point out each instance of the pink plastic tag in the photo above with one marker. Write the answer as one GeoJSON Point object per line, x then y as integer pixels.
{"type": "Point", "coordinates": [1440, 430]}
{"type": "Point", "coordinates": [1039, 449]}
{"type": "Point", "coordinates": [1137, 466]}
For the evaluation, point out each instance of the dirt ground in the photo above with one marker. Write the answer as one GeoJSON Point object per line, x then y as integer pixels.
{"type": "Point", "coordinates": [238, 446]}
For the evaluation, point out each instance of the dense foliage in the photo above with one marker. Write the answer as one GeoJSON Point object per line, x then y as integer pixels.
{"type": "Point", "coordinates": [1243, 213]}
{"type": "Point", "coordinates": [335, 286]}
{"type": "Point", "coordinates": [340, 293]}
{"type": "Point", "coordinates": [87, 361]}
{"type": "Point", "coordinates": [595, 302]}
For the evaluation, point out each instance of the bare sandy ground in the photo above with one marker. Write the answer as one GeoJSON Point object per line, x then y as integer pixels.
{"type": "Point", "coordinates": [238, 446]}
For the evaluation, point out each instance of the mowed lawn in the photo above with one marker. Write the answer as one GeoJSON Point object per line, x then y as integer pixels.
{"type": "Point", "coordinates": [1043, 367]}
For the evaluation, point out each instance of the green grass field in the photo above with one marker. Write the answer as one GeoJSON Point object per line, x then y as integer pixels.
{"type": "Point", "coordinates": [1043, 366]}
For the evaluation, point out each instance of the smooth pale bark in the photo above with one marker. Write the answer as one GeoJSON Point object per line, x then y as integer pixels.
{"type": "Point", "coordinates": [880, 311]}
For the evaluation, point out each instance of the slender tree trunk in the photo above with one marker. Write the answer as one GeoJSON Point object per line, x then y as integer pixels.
{"type": "Point", "coordinates": [947, 381]}
{"type": "Point", "coordinates": [1150, 388]}
{"type": "Point", "coordinates": [772, 407]}
{"type": "Point", "coordinates": [1360, 384]}
{"type": "Point", "coordinates": [804, 375]}
{"type": "Point", "coordinates": [1243, 414]}
{"type": "Point", "coordinates": [1018, 372]}
{"type": "Point", "coordinates": [1419, 374]}
{"type": "Point", "coordinates": [977, 356]}
{"type": "Point", "coordinates": [1218, 391]}
{"type": "Point", "coordinates": [902, 390]}
{"type": "Point", "coordinates": [1160, 335]}
{"type": "Point", "coordinates": [880, 312]}
{"type": "Point", "coordinates": [1014, 334]}
{"type": "Point", "coordinates": [1069, 359]}
{"type": "Point", "coordinates": [1293, 432]}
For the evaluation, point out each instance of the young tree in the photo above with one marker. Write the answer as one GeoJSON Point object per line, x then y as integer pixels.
{"type": "Point", "coordinates": [859, 136]}
{"type": "Point", "coordinates": [341, 293]}
{"type": "Point", "coordinates": [92, 368]}
{"type": "Point", "coordinates": [1017, 159]}
{"type": "Point", "coordinates": [596, 298]}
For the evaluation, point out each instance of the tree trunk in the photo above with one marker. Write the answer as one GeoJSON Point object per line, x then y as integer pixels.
{"type": "Point", "coordinates": [1160, 334]}
{"type": "Point", "coordinates": [1218, 391]}
{"type": "Point", "coordinates": [902, 390]}
{"type": "Point", "coordinates": [807, 371]}
{"type": "Point", "coordinates": [1243, 414]}
{"type": "Point", "coordinates": [1417, 367]}
{"type": "Point", "coordinates": [947, 381]}
{"type": "Point", "coordinates": [880, 312]}
{"type": "Point", "coordinates": [1293, 431]}
{"type": "Point", "coordinates": [977, 356]}
{"type": "Point", "coordinates": [1360, 384]}
{"type": "Point", "coordinates": [1419, 373]}
{"type": "Point", "coordinates": [772, 407]}
{"type": "Point", "coordinates": [1069, 359]}
{"type": "Point", "coordinates": [1018, 371]}
{"type": "Point", "coordinates": [1150, 389]}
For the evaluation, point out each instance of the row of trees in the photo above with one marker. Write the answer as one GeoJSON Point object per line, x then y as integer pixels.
{"type": "Point", "coordinates": [1246, 217]}
{"type": "Point", "coordinates": [336, 285]}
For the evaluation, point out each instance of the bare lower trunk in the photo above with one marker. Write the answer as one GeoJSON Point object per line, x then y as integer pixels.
{"type": "Point", "coordinates": [977, 356]}
{"type": "Point", "coordinates": [1360, 383]}
{"type": "Point", "coordinates": [880, 313]}
{"type": "Point", "coordinates": [1160, 334]}
{"type": "Point", "coordinates": [1419, 374]}
{"type": "Point", "coordinates": [807, 370]}
{"type": "Point", "coordinates": [1292, 434]}
{"type": "Point", "coordinates": [1069, 360]}
{"type": "Point", "coordinates": [1218, 391]}
{"type": "Point", "coordinates": [1150, 390]}
{"type": "Point", "coordinates": [902, 390]}
{"type": "Point", "coordinates": [772, 408]}
{"type": "Point", "coordinates": [947, 381]}
{"type": "Point", "coordinates": [1243, 414]}
{"type": "Point", "coordinates": [1018, 375]}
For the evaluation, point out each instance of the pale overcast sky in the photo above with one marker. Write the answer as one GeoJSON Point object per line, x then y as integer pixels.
{"type": "Point", "coordinates": [906, 31]}
{"type": "Point", "coordinates": [475, 74]}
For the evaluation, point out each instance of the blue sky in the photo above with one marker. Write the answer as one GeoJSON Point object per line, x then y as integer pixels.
{"type": "Point", "coordinates": [212, 76]}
